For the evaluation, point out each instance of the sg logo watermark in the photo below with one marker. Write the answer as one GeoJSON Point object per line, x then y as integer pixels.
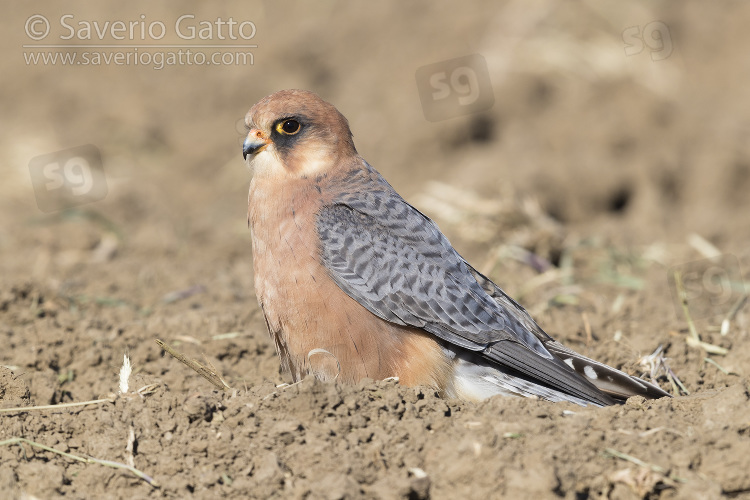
{"type": "Point", "coordinates": [709, 287]}
{"type": "Point", "coordinates": [455, 87]}
{"type": "Point", "coordinates": [655, 36]}
{"type": "Point", "coordinates": [68, 178]}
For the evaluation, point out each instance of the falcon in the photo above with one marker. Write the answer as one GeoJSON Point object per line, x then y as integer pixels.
{"type": "Point", "coordinates": [355, 283]}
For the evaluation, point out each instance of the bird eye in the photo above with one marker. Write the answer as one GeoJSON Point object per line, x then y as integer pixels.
{"type": "Point", "coordinates": [288, 127]}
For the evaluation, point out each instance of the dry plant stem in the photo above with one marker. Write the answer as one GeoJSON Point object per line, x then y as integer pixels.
{"type": "Point", "coordinates": [709, 348]}
{"type": "Point", "coordinates": [147, 389]}
{"type": "Point", "coordinates": [281, 386]}
{"type": "Point", "coordinates": [675, 388]}
{"type": "Point", "coordinates": [89, 460]}
{"type": "Point", "coordinates": [737, 307]}
{"type": "Point", "coordinates": [225, 336]}
{"type": "Point", "coordinates": [587, 328]}
{"type": "Point", "coordinates": [718, 366]}
{"type": "Point", "coordinates": [57, 407]}
{"type": "Point", "coordinates": [676, 382]}
{"type": "Point", "coordinates": [656, 362]}
{"type": "Point", "coordinates": [694, 340]}
{"type": "Point", "coordinates": [684, 302]}
{"type": "Point", "coordinates": [209, 374]}
{"type": "Point", "coordinates": [129, 447]}
{"type": "Point", "coordinates": [641, 463]}
{"type": "Point", "coordinates": [212, 369]}
{"type": "Point", "coordinates": [733, 313]}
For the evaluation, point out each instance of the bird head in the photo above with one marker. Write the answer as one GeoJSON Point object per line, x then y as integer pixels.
{"type": "Point", "coordinates": [295, 133]}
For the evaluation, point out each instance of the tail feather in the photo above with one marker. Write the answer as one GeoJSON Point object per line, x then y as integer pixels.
{"type": "Point", "coordinates": [609, 380]}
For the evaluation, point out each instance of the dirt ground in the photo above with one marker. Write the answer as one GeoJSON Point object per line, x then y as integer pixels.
{"type": "Point", "coordinates": [596, 169]}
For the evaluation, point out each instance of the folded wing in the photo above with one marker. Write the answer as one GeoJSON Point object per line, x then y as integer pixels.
{"type": "Point", "coordinates": [394, 261]}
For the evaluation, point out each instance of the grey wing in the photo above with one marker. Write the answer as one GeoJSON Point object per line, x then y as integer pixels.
{"type": "Point", "coordinates": [394, 261]}
{"type": "Point", "coordinates": [609, 380]}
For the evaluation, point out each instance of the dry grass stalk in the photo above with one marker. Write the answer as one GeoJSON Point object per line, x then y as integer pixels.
{"type": "Point", "coordinates": [87, 460]}
{"type": "Point", "coordinates": [208, 372]}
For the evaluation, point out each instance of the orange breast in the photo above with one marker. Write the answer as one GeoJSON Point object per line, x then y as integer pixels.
{"type": "Point", "coordinates": [318, 328]}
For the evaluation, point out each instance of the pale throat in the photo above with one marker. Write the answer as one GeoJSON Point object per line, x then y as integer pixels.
{"type": "Point", "coordinates": [279, 195]}
{"type": "Point", "coordinates": [267, 165]}
{"type": "Point", "coordinates": [311, 161]}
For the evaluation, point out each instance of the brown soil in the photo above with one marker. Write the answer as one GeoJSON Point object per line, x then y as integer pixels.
{"type": "Point", "coordinates": [603, 164]}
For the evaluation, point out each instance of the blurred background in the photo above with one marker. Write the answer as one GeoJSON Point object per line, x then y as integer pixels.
{"type": "Point", "coordinates": [625, 120]}
{"type": "Point", "coordinates": [522, 129]}
{"type": "Point", "coordinates": [573, 151]}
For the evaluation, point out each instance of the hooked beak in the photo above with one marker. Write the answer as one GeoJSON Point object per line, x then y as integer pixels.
{"type": "Point", "coordinates": [255, 142]}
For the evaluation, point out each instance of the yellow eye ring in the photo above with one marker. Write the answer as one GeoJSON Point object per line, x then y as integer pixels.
{"type": "Point", "coordinates": [288, 127]}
